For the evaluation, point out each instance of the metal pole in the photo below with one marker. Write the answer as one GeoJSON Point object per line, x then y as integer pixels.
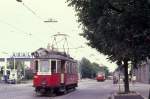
{"type": "Point", "coordinates": [5, 67]}
{"type": "Point", "coordinates": [119, 82]}
{"type": "Point", "coordinates": [5, 70]}
{"type": "Point", "coordinates": [149, 94]}
{"type": "Point", "coordinates": [24, 73]}
{"type": "Point", "coordinates": [14, 63]}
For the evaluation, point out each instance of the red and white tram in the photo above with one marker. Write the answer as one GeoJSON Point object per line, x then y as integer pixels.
{"type": "Point", "coordinates": [54, 71]}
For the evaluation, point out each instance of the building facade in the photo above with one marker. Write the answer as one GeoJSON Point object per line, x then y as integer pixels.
{"type": "Point", "coordinates": [143, 72]}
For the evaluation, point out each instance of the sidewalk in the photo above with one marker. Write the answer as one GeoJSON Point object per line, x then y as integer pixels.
{"type": "Point", "coordinates": [26, 81]}
{"type": "Point", "coordinates": [23, 83]}
{"type": "Point", "coordinates": [138, 87]}
{"type": "Point", "coordinates": [142, 88]}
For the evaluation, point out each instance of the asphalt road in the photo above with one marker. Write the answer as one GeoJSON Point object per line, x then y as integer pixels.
{"type": "Point", "coordinates": [87, 89]}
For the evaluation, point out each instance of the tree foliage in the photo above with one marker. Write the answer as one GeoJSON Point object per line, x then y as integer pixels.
{"type": "Point", "coordinates": [86, 69]}
{"type": "Point", "coordinates": [90, 70]}
{"type": "Point", "coordinates": [119, 29]}
{"type": "Point", "coordinates": [105, 70]}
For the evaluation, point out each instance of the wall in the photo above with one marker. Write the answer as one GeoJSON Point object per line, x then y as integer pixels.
{"type": "Point", "coordinates": [143, 73]}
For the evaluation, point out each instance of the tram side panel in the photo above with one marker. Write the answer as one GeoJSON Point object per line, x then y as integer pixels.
{"type": "Point", "coordinates": [71, 76]}
{"type": "Point", "coordinates": [47, 80]}
{"type": "Point", "coordinates": [64, 75]}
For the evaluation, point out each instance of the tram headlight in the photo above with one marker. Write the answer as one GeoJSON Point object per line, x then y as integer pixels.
{"type": "Point", "coordinates": [35, 77]}
{"type": "Point", "coordinates": [43, 83]}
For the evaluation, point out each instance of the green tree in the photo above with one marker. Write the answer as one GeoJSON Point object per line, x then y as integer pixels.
{"type": "Point", "coordinates": [90, 70]}
{"type": "Point", "coordinates": [119, 29]}
{"type": "Point", "coordinates": [86, 68]}
{"type": "Point", "coordinates": [105, 70]}
{"type": "Point", "coordinates": [95, 69]}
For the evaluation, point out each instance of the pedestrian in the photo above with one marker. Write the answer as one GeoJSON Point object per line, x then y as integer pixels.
{"type": "Point", "coordinates": [115, 80]}
{"type": "Point", "coordinates": [133, 79]}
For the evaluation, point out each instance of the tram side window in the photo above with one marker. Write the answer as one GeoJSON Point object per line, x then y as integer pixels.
{"type": "Point", "coordinates": [73, 68]}
{"type": "Point", "coordinates": [53, 66]}
{"type": "Point", "coordinates": [67, 67]}
{"type": "Point", "coordinates": [70, 68]}
{"type": "Point", "coordinates": [36, 66]}
{"type": "Point", "coordinates": [58, 66]}
{"type": "Point", "coordinates": [76, 69]}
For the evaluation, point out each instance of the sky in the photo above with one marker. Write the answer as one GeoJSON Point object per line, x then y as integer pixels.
{"type": "Point", "coordinates": [23, 28]}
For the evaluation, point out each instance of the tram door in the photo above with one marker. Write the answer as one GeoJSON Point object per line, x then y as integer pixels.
{"type": "Point", "coordinates": [62, 72]}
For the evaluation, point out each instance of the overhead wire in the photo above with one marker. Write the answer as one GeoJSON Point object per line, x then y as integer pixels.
{"type": "Point", "coordinates": [12, 26]}
{"type": "Point", "coordinates": [19, 30]}
{"type": "Point", "coordinates": [38, 17]}
{"type": "Point", "coordinates": [35, 14]}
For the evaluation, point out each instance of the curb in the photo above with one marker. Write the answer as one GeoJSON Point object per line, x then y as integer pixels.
{"type": "Point", "coordinates": [112, 96]}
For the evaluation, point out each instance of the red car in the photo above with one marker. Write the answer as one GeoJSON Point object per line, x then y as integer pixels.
{"type": "Point", "coordinates": [54, 72]}
{"type": "Point", "coordinates": [100, 77]}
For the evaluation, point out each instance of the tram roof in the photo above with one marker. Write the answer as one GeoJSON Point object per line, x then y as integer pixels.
{"type": "Point", "coordinates": [43, 53]}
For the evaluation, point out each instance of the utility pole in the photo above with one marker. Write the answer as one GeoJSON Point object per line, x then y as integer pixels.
{"type": "Point", "coordinates": [5, 67]}
{"type": "Point", "coordinates": [14, 64]}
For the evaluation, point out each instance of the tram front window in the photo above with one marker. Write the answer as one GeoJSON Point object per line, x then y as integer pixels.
{"type": "Point", "coordinates": [44, 66]}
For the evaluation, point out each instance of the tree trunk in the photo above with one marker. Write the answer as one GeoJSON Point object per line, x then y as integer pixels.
{"type": "Point", "coordinates": [126, 78]}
